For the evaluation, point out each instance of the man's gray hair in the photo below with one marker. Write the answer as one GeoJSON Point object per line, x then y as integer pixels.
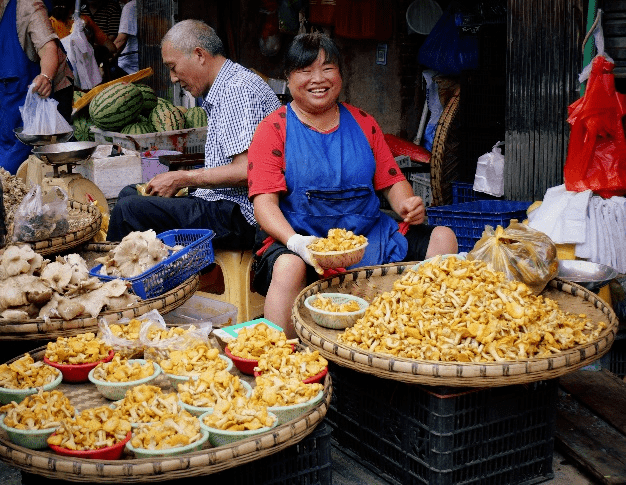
{"type": "Point", "coordinates": [186, 35]}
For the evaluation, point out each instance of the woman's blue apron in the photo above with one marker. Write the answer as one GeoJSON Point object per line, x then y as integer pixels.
{"type": "Point", "coordinates": [15, 76]}
{"type": "Point", "coordinates": [330, 185]}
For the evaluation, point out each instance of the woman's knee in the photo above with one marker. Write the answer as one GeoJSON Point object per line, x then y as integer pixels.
{"type": "Point", "coordinates": [289, 270]}
{"type": "Point", "coordinates": [442, 241]}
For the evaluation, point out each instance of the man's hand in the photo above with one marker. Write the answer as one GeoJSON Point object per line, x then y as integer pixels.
{"type": "Point", "coordinates": [167, 184]}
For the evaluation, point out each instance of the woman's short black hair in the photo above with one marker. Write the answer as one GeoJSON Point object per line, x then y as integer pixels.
{"type": "Point", "coordinates": [306, 47]}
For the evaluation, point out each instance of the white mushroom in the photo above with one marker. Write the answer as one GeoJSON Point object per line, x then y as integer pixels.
{"type": "Point", "coordinates": [57, 276]}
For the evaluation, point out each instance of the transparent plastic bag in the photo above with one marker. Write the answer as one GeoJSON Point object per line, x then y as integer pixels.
{"type": "Point", "coordinates": [522, 253]}
{"type": "Point", "coordinates": [41, 116]}
{"type": "Point", "coordinates": [159, 349]}
{"type": "Point", "coordinates": [41, 216]}
{"type": "Point", "coordinates": [125, 347]}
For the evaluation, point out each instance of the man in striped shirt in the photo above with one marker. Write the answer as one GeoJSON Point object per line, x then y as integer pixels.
{"type": "Point", "coordinates": [106, 14]}
{"type": "Point", "coordinates": [236, 100]}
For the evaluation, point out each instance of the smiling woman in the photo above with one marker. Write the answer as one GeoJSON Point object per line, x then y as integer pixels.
{"type": "Point", "coordinates": [316, 164]}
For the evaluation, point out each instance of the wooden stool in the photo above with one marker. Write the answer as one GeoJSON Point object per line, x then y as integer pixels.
{"type": "Point", "coordinates": [236, 267]}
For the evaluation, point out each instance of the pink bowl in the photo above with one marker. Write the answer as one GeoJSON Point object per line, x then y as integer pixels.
{"type": "Point", "coordinates": [317, 378]}
{"type": "Point", "coordinates": [77, 372]}
{"type": "Point", "coordinates": [108, 453]}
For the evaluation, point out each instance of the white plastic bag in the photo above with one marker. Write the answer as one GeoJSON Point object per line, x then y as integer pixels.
{"type": "Point", "coordinates": [489, 176]}
{"type": "Point", "coordinates": [40, 116]}
{"type": "Point", "coordinates": [80, 54]}
{"type": "Point", "coordinates": [41, 216]}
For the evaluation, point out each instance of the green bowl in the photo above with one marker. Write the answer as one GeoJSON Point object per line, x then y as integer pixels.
{"type": "Point", "coordinates": [336, 320]}
{"type": "Point", "coordinates": [179, 450]}
{"type": "Point", "coordinates": [287, 413]}
{"type": "Point", "coordinates": [176, 379]}
{"type": "Point", "coordinates": [199, 411]}
{"type": "Point", "coordinates": [35, 439]}
{"type": "Point", "coordinates": [117, 390]}
{"type": "Point", "coordinates": [8, 395]}
{"type": "Point", "coordinates": [220, 437]}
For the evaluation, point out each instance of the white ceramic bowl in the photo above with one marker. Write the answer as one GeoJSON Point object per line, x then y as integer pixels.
{"type": "Point", "coordinates": [35, 439]}
{"type": "Point", "coordinates": [7, 395]}
{"type": "Point", "coordinates": [220, 437]}
{"type": "Point", "coordinates": [339, 259]}
{"type": "Point", "coordinates": [287, 413]}
{"type": "Point", "coordinates": [335, 320]}
{"type": "Point", "coordinates": [199, 411]}
{"type": "Point", "coordinates": [178, 450]}
{"type": "Point", "coordinates": [176, 379]}
{"type": "Point", "coordinates": [117, 390]}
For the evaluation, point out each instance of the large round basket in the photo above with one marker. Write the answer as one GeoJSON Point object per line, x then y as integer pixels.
{"type": "Point", "coordinates": [40, 329]}
{"type": "Point", "coordinates": [369, 282]}
{"type": "Point", "coordinates": [84, 221]}
{"type": "Point", "coordinates": [128, 469]}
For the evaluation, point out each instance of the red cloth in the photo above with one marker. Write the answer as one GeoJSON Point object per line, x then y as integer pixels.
{"type": "Point", "coordinates": [266, 161]}
{"type": "Point", "coordinates": [399, 146]}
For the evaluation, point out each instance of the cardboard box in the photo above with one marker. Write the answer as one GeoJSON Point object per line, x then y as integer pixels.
{"type": "Point", "coordinates": [111, 174]}
{"type": "Point", "coordinates": [150, 165]}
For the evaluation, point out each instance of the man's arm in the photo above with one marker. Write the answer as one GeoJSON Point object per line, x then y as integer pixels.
{"type": "Point", "coordinates": [235, 174]}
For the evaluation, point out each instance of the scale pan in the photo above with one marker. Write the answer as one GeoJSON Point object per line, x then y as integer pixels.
{"type": "Point", "coordinates": [64, 153]}
{"type": "Point", "coordinates": [41, 140]}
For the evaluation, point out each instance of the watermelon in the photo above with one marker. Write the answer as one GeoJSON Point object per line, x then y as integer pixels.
{"type": "Point", "coordinates": [167, 117]}
{"type": "Point", "coordinates": [164, 101]}
{"type": "Point", "coordinates": [82, 125]}
{"type": "Point", "coordinates": [195, 117]}
{"type": "Point", "coordinates": [77, 96]}
{"type": "Point", "coordinates": [138, 128]}
{"type": "Point", "coordinates": [116, 106]}
{"type": "Point", "coordinates": [149, 98]}
{"type": "Point", "coordinates": [182, 108]}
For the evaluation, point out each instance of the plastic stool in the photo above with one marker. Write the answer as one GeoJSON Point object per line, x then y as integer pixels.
{"type": "Point", "coordinates": [236, 267]}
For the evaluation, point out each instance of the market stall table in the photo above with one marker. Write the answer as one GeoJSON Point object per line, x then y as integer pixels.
{"type": "Point", "coordinates": [208, 461]}
{"type": "Point", "coordinates": [423, 421]}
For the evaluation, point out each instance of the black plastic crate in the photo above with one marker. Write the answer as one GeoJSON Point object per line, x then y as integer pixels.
{"type": "Point", "coordinates": [435, 435]}
{"type": "Point", "coordinates": [615, 359]}
{"type": "Point", "coordinates": [305, 463]}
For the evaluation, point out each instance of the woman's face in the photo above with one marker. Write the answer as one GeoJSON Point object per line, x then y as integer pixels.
{"type": "Point", "coordinates": [315, 88]}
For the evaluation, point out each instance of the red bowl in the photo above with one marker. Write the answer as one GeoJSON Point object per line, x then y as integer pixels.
{"type": "Point", "coordinates": [108, 453]}
{"type": "Point", "coordinates": [77, 372]}
{"type": "Point", "coordinates": [317, 378]}
{"type": "Point", "coordinates": [245, 366]}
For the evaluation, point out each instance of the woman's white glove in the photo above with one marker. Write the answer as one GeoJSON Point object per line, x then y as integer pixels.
{"type": "Point", "coordinates": [298, 244]}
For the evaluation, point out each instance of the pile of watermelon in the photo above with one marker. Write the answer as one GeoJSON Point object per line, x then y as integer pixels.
{"type": "Point", "coordinates": [134, 109]}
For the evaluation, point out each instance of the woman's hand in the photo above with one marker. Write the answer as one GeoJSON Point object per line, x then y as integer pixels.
{"type": "Point", "coordinates": [412, 210]}
{"type": "Point", "coordinates": [42, 86]}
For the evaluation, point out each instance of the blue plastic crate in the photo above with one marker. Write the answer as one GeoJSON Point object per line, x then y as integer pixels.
{"type": "Point", "coordinates": [174, 270]}
{"type": "Point", "coordinates": [468, 220]}
{"type": "Point", "coordinates": [464, 192]}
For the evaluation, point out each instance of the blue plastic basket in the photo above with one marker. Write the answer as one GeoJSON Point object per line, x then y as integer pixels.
{"type": "Point", "coordinates": [464, 192]}
{"type": "Point", "coordinates": [174, 270]}
{"type": "Point", "coordinates": [468, 220]}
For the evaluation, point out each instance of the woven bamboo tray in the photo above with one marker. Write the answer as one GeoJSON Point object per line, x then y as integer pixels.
{"type": "Point", "coordinates": [130, 470]}
{"type": "Point", "coordinates": [39, 329]}
{"type": "Point", "coordinates": [84, 221]}
{"type": "Point", "coordinates": [372, 281]}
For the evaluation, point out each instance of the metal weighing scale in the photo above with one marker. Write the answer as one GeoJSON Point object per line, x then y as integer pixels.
{"type": "Point", "coordinates": [62, 155]}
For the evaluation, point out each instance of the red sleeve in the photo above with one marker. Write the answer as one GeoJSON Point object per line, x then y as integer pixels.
{"type": "Point", "coordinates": [387, 170]}
{"type": "Point", "coordinates": [266, 155]}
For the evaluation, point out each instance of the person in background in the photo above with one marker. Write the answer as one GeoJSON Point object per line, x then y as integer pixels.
{"type": "Point", "coordinates": [236, 100]}
{"type": "Point", "coordinates": [126, 40]}
{"type": "Point", "coordinates": [106, 14]}
{"type": "Point", "coordinates": [32, 55]}
{"type": "Point", "coordinates": [317, 164]}
{"type": "Point", "coordinates": [62, 19]}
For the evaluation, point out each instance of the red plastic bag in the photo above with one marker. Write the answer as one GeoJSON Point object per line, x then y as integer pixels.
{"type": "Point", "coordinates": [596, 154]}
